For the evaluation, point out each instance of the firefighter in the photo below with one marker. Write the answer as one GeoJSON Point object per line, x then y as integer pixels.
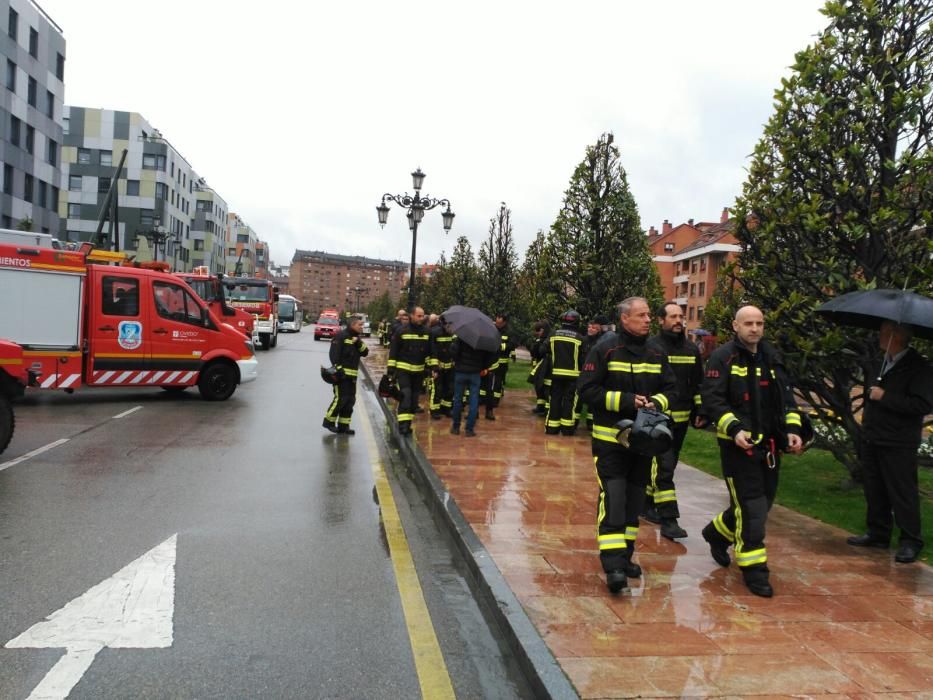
{"type": "Point", "coordinates": [565, 358]}
{"type": "Point", "coordinates": [408, 356]}
{"type": "Point", "coordinates": [539, 375]}
{"type": "Point", "coordinates": [684, 359]}
{"type": "Point", "coordinates": [346, 349]}
{"type": "Point", "coordinates": [748, 397]}
{"type": "Point", "coordinates": [494, 383]}
{"type": "Point", "coordinates": [595, 331]}
{"type": "Point", "coordinates": [621, 375]}
{"type": "Point", "coordinates": [442, 370]}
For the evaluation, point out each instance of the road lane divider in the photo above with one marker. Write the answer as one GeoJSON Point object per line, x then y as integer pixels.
{"type": "Point", "coordinates": [429, 660]}
{"type": "Point", "coordinates": [35, 452]}
{"type": "Point", "coordinates": [126, 413]}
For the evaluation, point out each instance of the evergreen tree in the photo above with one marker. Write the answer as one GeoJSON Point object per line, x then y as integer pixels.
{"type": "Point", "coordinates": [840, 193]}
{"type": "Point", "coordinates": [596, 253]}
{"type": "Point", "coordinates": [498, 266]}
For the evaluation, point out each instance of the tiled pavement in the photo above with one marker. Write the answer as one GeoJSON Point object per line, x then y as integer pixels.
{"type": "Point", "coordinates": [844, 623]}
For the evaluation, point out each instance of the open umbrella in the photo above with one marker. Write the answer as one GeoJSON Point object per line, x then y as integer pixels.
{"type": "Point", "coordinates": [868, 308]}
{"type": "Point", "coordinates": [473, 327]}
{"type": "Point", "coordinates": [699, 332]}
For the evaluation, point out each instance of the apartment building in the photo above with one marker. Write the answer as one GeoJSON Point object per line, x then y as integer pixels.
{"type": "Point", "coordinates": [241, 245]}
{"type": "Point", "coordinates": [209, 229]}
{"type": "Point", "coordinates": [33, 51]}
{"type": "Point", "coordinates": [156, 188]}
{"type": "Point", "coordinates": [327, 280]}
{"type": "Point", "coordinates": [688, 258]}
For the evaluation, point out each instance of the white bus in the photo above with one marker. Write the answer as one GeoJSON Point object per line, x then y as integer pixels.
{"type": "Point", "coordinates": [291, 313]}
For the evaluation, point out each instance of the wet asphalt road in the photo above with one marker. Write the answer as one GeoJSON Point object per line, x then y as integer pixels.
{"type": "Point", "coordinates": [284, 587]}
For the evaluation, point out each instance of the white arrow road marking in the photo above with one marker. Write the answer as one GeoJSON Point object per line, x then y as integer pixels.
{"type": "Point", "coordinates": [133, 609]}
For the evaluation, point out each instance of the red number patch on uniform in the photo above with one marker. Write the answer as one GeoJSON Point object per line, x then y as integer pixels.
{"type": "Point", "coordinates": [589, 367]}
{"type": "Point", "coordinates": [712, 373]}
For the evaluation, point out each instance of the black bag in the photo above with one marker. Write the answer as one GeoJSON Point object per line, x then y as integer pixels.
{"type": "Point", "coordinates": [650, 434]}
{"type": "Point", "coordinates": [331, 375]}
{"type": "Point", "coordinates": [389, 388]}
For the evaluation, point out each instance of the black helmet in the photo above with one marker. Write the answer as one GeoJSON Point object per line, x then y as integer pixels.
{"type": "Point", "coordinates": [570, 318]}
{"type": "Point", "coordinates": [649, 434]}
{"type": "Point", "coordinates": [389, 388]}
{"type": "Point", "coordinates": [331, 375]}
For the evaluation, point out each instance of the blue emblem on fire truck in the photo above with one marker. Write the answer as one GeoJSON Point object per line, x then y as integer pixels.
{"type": "Point", "coordinates": [130, 334]}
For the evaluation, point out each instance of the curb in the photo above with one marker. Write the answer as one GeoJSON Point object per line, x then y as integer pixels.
{"type": "Point", "coordinates": [541, 670]}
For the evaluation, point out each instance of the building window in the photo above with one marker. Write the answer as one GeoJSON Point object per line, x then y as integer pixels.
{"type": "Point", "coordinates": [66, 125]}
{"type": "Point", "coordinates": [10, 75]}
{"type": "Point", "coordinates": [30, 139]}
{"type": "Point", "coordinates": [60, 67]}
{"type": "Point", "coordinates": [132, 188]}
{"type": "Point", "coordinates": [52, 155]}
{"type": "Point", "coordinates": [13, 25]}
{"type": "Point", "coordinates": [702, 289]}
{"type": "Point", "coordinates": [669, 247]}
{"type": "Point", "coordinates": [14, 130]}
{"type": "Point", "coordinates": [693, 267]}
{"type": "Point", "coordinates": [53, 205]}
{"type": "Point", "coordinates": [690, 314]}
{"type": "Point", "coordinates": [49, 104]}
{"type": "Point", "coordinates": [33, 43]}
{"type": "Point", "coordinates": [106, 157]}
{"type": "Point", "coordinates": [151, 161]}
{"type": "Point", "coordinates": [146, 218]}
{"type": "Point", "coordinates": [43, 193]}
{"type": "Point", "coordinates": [693, 290]}
{"type": "Point", "coordinates": [231, 252]}
{"type": "Point", "coordinates": [29, 188]}
{"type": "Point", "coordinates": [703, 264]}
{"type": "Point", "coordinates": [198, 244]}
{"type": "Point", "coordinates": [74, 183]}
{"type": "Point", "coordinates": [84, 156]}
{"type": "Point", "coordinates": [699, 313]}
{"type": "Point", "coordinates": [103, 185]}
{"type": "Point", "coordinates": [161, 190]}
{"type": "Point", "coordinates": [7, 180]}
{"type": "Point", "coordinates": [74, 211]}
{"type": "Point", "coordinates": [31, 91]}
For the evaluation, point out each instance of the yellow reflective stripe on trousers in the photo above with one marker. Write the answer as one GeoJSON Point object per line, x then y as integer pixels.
{"type": "Point", "coordinates": [613, 541]}
{"type": "Point", "coordinates": [430, 666]}
{"type": "Point", "coordinates": [721, 528]}
{"type": "Point", "coordinates": [665, 496]}
{"type": "Point", "coordinates": [602, 432]}
{"type": "Point", "coordinates": [738, 514]}
{"type": "Point", "coordinates": [756, 556]}
{"type": "Point", "coordinates": [350, 372]}
{"type": "Point", "coordinates": [408, 367]}
{"type": "Point", "coordinates": [631, 533]}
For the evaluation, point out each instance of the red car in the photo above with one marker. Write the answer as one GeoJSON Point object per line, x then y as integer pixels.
{"type": "Point", "coordinates": [326, 328]}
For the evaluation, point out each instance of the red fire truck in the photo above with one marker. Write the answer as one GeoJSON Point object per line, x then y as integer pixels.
{"type": "Point", "coordinates": [259, 297]}
{"type": "Point", "coordinates": [89, 318]}
{"type": "Point", "coordinates": [210, 289]}
{"type": "Point", "coordinates": [13, 379]}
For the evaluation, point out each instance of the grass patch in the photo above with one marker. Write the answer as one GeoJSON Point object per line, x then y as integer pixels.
{"type": "Point", "coordinates": [517, 378]}
{"type": "Point", "coordinates": [814, 484]}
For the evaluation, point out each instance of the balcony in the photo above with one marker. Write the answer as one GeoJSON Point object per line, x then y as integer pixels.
{"type": "Point", "coordinates": [680, 301]}
{"type": "Point", "coordinates": [681, 279]}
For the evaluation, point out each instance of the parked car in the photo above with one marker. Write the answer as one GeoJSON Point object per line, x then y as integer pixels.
{"type": "Point", "coordinates": [326, 328]}
{"type": "Point", "coordinates": [367, 328]}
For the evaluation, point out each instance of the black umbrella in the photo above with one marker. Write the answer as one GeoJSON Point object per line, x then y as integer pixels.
{"type": "Point", "coordinates": [473, 327]}
{"type": "Point", "coordinates": [868, 308]}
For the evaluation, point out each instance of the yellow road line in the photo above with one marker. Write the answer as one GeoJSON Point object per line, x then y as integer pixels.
{"type": "Point", "coordinates": [429, 661]}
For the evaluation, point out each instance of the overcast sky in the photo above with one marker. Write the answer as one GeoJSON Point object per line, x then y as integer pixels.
{"type": "Point", "coordinates": [301, 115]}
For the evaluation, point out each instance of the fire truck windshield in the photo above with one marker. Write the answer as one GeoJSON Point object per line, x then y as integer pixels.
{"type": "Point", "coordinates": [246, 292]}
{"type": "Point", "coordinates": [201, 287]}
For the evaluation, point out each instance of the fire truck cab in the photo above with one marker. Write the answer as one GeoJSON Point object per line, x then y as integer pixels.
{"type": "Point", "coordinates": [259, 297]}
{"type": "Point", "coordinates": [82, 321]}
{"type": "Point", "coordinates": [210, 289]}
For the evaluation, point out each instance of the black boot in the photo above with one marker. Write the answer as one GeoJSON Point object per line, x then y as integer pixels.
{"type": "Point", "coordinates": [489, 414]}
{"type": "Point", "coordinates": [671, 529]}
{"type": "Point", "coordinates": [631, 569]}
{"type": "Point", "coordinates": [330, 426]}
{"type": "Point", "coordinates": [756, 580]}
{"type": "Point", "coordinates": [615, 581]}
{"type": "Point", "coordinates": [651, 515]}
{"type": "Point", "coordinates": [718, 546]}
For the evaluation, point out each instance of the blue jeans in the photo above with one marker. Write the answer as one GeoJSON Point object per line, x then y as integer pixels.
{"type": "Point", "coordinates": [462, 381]}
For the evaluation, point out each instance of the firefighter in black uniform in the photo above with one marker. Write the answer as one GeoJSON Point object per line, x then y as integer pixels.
{"type": "Point", "coordinates": [494, 384]}
{"type": "Point", "coordinates": [346, 349]}
{"type": "Point", "coordinates": [622, 374]}
{"type": "Point", "coordinates": [539, 375]}
{"type": "Point", "coordinates": [442, 370]}
{"type": "Point", "coordinates": [684, 359]}
{"type": "Point", "coordinates": [565, 357]}
{"type": "Point", "coordinates": [408, 355]}
{"type": "Point", "coordinates": [595, 331]}
{"type": "Point", "coordinates": [747, 395]}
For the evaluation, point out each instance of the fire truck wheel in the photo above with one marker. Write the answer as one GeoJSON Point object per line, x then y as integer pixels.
{"type": "Point", "coordinates": [264, 339]}
{"type": "Point", "coordinates": [217, 381]}
{"type": "Point", "coordinates": [7, 422]}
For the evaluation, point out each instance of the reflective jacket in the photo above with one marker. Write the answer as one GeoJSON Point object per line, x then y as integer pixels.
{"type": "Point", "coordinates": [617, 369]}
{"type": "Point", "coordinates": [507, 346]}
{"type": "Point", "coordinates": [684, 359]}
{"type": "Point", "coordinates": [440, 348]}
{"type": "Point", "coordinates": [565, 353]}
{"type": "Point", "coordinates": [751, 392]}
{"type": "Point", "coordinates": [346, 349]}
{"type": "Point", "coordinates": [410, 349]}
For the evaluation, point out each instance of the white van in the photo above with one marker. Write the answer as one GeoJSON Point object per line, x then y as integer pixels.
{"type": "Point", "coordinates": [26, 238]}
{"type": "Point", "coordinates": [367, 329]}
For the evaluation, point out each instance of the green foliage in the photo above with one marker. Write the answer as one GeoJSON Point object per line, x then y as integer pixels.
{"type": "Point", "coordinates": [24, 224]}
{"type": "Point", "coordinates": [596, 253]}
{"type": "Point", "coordinates": [498, 269]}
{"type": "Point", "coordinates": [455, 281]}
{"type": "Point", "coordinates": [384, 307]}
{"type": "Point", "coordinates": [840, 193]}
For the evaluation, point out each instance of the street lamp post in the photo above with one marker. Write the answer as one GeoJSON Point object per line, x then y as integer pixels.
{"type": "Point", "coordinates": [156, 237]}
{"type": "Point", "coordinates": [358, 290]}
{"type": "Point", "coordinates": [416, 207]}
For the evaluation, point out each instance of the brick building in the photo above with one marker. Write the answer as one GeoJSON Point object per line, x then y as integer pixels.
{"type": "Point", "coordinates": [688, 258]}
{"type": "Point", "coordinates": [326, 280]}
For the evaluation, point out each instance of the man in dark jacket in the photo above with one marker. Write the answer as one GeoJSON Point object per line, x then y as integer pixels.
{"type": "Point", "coordinates": [892, 424]}
{"type": "Point", "coordinates": [408, 355]}
{"type": "Point", "coordinates": [622, 374]}
{"type": "Point", "coordinates": [539, 375]}
{"type": "Point", "coordinates": [595, 331]}
{"type": "Point", "coordinates": [748, 397]}
{"type": "Point", "coordinates": [565, 357]}
{"type": "Point", "coordinates": [346, 349]}
{"type": "Point", "coordinates": [470, 365]}
{"type": "Point", "coordinates": [442, 370]}
{"type": "Point", "coordinates": [684, 359]}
